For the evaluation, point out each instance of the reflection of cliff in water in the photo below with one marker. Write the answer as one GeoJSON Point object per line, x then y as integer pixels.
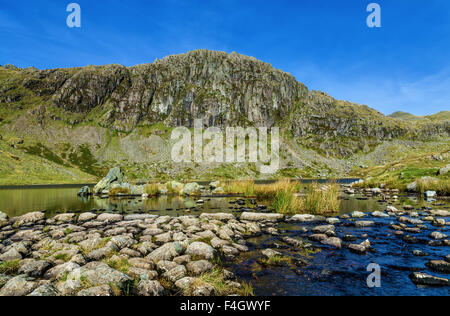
{"type": "Point", "coordinates": [164, 205]}
{"type": "Point", "coordinates": [128, 205]}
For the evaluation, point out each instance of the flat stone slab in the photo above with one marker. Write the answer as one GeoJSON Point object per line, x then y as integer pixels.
{"type": "Point", "coordinates": [261, 217]}
{"type": "Point", "coordinates": [139, 217]}
{"type": "Point", "coordinates": [217, 216]}
{"type": "Point", "coordinates": [303, 218]}
{"type": "Point", "coordinates": [426, 279]}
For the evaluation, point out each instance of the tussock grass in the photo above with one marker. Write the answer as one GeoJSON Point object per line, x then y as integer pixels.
{"type": "Point", "coordinates": [248, 188]}
{"type": "Point", "coordinates": [215, 278]}
{"type": "Point", "coordinates": [63, 256]}
{"type": "Point", "coordinates": [152, 189]}
{"type": "Point", "coordinates": [271, 190]}
{"type": "Point", "coordinates": [122, 265]}
{"type": "Point", "coordinates": [285, 202]}
{"type": "Point", "coordinates": [276, 261]}
{"type": "Point", "coordinates": [283, 193]}
{"type": "Point", "coordinates": [366, 184]}
{"type": "Point", "coordinates": [9, 267]}
{"type": "Point", "coordinates": [441, 186]}
{"type": "Point", "coordinates": [173, 189]}
{"type": "Point", "coordinates": [322, 199]}
{"type": "Point", "coordinates": [244, 187]}
{"type": "Point", "coordinates": [119, 191]}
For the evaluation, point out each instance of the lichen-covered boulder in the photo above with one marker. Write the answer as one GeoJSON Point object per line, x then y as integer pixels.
{"type": "Point", "coordinates": [18, 286]}
{"type": "Point", "coordinates": [150, 288]}
{"type": "Point", "coordinates": [29, 219]}
{"type": "Point", "coordinates": [166, 252]}
{"type": "Point", "coordinates": [199, 267]}
{"type": "Point", "coordinates": [261, 217]}
{"type": "Point", "coordinates": [45, 290]}
{"type": "Point", "coordinates": [201, 250]}
{"type": "Point", "coordinates": [4, 220]}
{"type": "Point", "coordinates": [192, 188]}
{"type": "Point", "coordinates": [115, 175]}
{"type": "Point", "coordinates": [444, 170]}
{"type": "Point", "coordinates": [84, 191]}
{"type": "Point", "coordinates": [91, 275]}
{"type": "Point", "coordinates": [137, 189]}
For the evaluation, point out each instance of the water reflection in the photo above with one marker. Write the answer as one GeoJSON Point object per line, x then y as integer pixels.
{"type": "Point", "coordinates": [16, 202]}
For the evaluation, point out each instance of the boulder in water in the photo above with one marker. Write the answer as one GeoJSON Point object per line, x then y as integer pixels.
{"type": "Point", "coordinates": [85, 191]}
{"type": "Point", "coordinates": [115, 175]}
{"type": "Point", "coordinates": [444, 170]}
{"type": "Point", "coordinates": [192, 188]}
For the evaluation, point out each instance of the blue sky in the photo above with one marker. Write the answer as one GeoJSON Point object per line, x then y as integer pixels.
{"type": "Point", "coordinates": [404, 65]}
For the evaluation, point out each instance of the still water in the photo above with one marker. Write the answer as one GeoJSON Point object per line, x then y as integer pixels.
{"type": "Point", "coordinates": [54, 200]}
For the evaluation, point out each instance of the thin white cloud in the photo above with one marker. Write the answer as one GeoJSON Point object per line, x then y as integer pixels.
{"type": "Point", "coordinates": [420, 96]}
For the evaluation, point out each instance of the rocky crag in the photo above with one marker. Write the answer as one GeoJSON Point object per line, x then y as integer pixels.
{"type": "Point", "coordinates": [76, 123]}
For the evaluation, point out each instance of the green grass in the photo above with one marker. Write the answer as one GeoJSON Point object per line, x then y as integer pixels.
{"type": "Point", "coordinates": [321, 199]}
{"type": "Point", "coordinates": [119, 191]}
{"type": "Point", "coordinates": [85, 161]}
{"type": "Point", "coordinates": [398, 173]}
{"type": "Point", "coordinates": [64, 277]}
{"type": "Point", "coordinates": [42, 151]}
{"type": "Point", "coordinates": [248, 188]}
{"type": "Point", "coordinates": [17, 167]}
{"type": "Point", "coordinates": [9, 267]}
{"type": "Point", "coordinates": [399, 179]}
{"type": "Point", "coordinates": [152, 189]}
{"type": "Point", "coordinates": [243, 187]}
{"type": "Point", "coordinates": [276, 261]}
{"type": "Point", "coordinates": [441, 186]}
{"type": "Point", "coordinates": [216, 279]}
{"type": "Point", "coordinates": [67, 231]}
{"type": "Point", "coordinates": [122, 265]}
{"type": "Point", "coordinates": [63, 256]}
{"type": "Point", "coordinates": [285, 202]}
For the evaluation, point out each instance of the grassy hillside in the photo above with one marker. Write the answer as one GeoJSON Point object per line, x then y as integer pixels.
{"type": "Point", "coordinates": [400, 172]}
{"type": "Point", "coordinates": [71, 125]}
{"type": "Point", "coordinates": [19, 168]}
{"type": "Point", "coordinates": [441, 116]}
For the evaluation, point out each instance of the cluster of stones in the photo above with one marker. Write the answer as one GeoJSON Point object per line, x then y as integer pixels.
{"type": "Point", "coordinates": [385, 193]}
{"type": "Point", "coordinates": [115, 179]}
{"type": "Point", "coordinates": [388, 194]}
{"type": "Point", "coordinates": [73, 254]}
{"type": "Point", "coordinates": [81, 255]}
{"type": "Point", "coordinates": [405, 224]}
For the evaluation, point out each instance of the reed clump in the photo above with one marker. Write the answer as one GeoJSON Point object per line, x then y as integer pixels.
{"type": "Point", "coordinates": [152, 189]}
{"type": "Point", "coordinates": [441, 186]}
{"type": "Point", "coordinates": [322, 199]}
{"type": "Point", "coordinates": [248, 188]}
{"type": "Point", "coordinates": [119, 191]}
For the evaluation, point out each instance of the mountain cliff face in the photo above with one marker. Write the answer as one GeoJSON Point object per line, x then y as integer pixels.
{"type": "Point", "coordinates": [108, 114]}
